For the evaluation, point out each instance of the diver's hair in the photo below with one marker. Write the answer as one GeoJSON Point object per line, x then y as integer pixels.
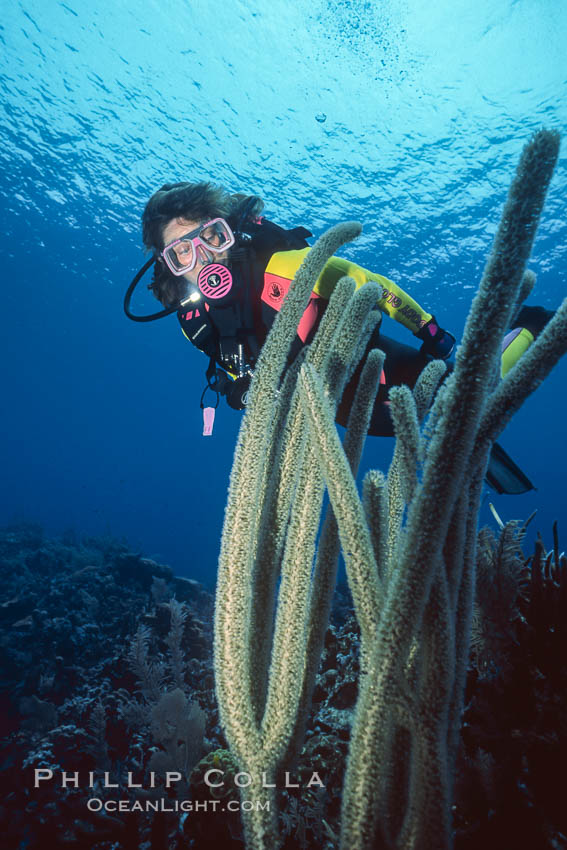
{"type": "Point", "coordinates": [193, 202]}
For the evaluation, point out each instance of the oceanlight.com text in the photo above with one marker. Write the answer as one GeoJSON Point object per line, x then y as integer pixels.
{"type": "Point", "coordinates": [95, 804]}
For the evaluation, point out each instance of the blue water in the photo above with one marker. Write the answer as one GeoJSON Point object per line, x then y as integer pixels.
{"type": "Point", "coordinates": [409, 117]}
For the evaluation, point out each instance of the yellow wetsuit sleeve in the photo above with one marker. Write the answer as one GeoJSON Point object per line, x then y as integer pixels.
{"type": "Point", "coordinates": [394, 301]}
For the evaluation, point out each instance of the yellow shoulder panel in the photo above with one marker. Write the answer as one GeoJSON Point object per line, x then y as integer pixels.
{"type": "Point", "coordinates": [286, 263]}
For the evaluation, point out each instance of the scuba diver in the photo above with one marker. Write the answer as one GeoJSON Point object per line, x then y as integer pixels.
{"type": "Point", "coordinates": [225, 270]}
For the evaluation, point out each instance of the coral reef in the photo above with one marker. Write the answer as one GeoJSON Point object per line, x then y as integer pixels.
{"type": "Point", "coordinates": [101, 665]}
{"type": "Point", "coordinates": [100, 717]}
{"type": "Point", "coordinates": [74, 700]}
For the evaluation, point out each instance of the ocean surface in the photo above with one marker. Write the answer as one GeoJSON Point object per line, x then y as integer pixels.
{"type": "Point", "coordinates": [406, 116]}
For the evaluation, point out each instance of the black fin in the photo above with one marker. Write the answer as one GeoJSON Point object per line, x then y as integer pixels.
{"type": "Point", "coordinates": [504, 475]}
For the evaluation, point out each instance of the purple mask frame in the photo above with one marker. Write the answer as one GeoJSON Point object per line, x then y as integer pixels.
{"type": "Point", "coordinates": [196, 241]}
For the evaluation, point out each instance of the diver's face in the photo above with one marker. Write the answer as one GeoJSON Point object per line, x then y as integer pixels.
{"type": "Point", "coordinates": [178, 227]}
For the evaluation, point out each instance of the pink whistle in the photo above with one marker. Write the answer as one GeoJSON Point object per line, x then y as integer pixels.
{"type": "Point", "coordinates": [208, 421]}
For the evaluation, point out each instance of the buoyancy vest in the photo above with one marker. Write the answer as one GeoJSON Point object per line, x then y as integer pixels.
{"type": "Point", "coordinates": [238, 326]}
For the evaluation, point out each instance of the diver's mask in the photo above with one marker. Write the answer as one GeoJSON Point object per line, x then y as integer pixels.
{"type": "Point", "coordinates": [202, 244]}
{"type": "Point", "coordinates": [205, 243]}
{"type": "Point", "coordinates": [210, 238]}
